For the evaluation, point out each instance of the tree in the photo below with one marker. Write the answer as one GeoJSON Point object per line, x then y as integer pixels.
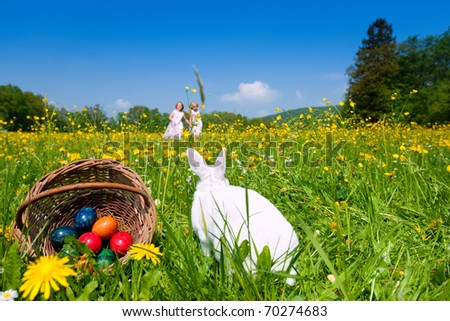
{"type": "Point", "coordinates": [372, 77]}
{"type": "Point", "coordinates": [93, 117]}
{"type": "Point", "coordinates": [19, 108]}
{"type": "Point", "coordinates": [136, 114]}
{"type": "Point", "coordinates": [221, 117]}
{"type": "Point", "coordinates": [145, 119]}
{"type": "Point", "coordinates": [424, 66]}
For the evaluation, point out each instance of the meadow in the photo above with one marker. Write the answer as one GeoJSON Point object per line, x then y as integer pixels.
{"type": "Point", "coordinates": [370, 203]}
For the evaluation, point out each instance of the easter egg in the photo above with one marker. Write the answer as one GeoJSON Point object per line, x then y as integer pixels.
{"type": "Point", "coordinates": [59, 234]}
{"type": "Point", "coordinates": [84, 219]}
{"type": "Point", "coordinates": [120, 243]}
{"type": "Point", "coordinates": [104, 262]}
{"type": "Point", "coordinates": [92, 240]}
{"type": "Point", "coordinates": [107, 254]}
{"type": "Point", "coordinates": [105, 227]}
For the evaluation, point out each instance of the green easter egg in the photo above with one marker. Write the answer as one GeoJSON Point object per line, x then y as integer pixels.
{"type": "Point", "coordinates": [104, 262]}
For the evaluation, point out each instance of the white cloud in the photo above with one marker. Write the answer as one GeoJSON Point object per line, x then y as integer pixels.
{"type": "Point", "coordinates": [256, 91]}
{"type": "Point", "coordinates": [122, 104]}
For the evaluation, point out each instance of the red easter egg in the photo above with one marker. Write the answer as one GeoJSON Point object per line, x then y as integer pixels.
{"type": "Point", "coordinates": [120, 243]}
{"type": "Point", "coordinates": [92, 240]}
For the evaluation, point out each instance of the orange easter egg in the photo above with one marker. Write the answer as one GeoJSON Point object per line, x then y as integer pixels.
{"type": "Point", "coordinates": [105, 227]}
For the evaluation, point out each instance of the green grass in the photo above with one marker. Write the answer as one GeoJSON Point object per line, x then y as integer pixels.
{"type": "Point", "coordinates": [377, 222]}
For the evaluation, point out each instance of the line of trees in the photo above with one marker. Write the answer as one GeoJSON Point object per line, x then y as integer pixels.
{"type": "Point", "coordinates": [410, 79]}
{"type": "Point", "coordinates": [24, 110]}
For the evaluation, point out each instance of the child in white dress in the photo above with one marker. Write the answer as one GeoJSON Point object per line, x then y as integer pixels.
{"type": "Point", "coordinates": [175, 128]}
{"type": "Point", "coordinates": [195, 119]}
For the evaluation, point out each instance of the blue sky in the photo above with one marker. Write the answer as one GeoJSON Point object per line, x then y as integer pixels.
{"type": "Point", "coordinates": [253, 56]}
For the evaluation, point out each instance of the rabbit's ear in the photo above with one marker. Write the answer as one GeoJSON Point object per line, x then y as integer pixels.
{"type": "Point", "coordinates": [196, 162]}
{"type": "Point", "coordinates": [221, 162]}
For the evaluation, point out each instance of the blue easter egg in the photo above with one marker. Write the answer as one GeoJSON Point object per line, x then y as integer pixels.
{"type": "Point", "coordinates": [59, 234]}
{"type": "Point", "coordinates": [84, 219]}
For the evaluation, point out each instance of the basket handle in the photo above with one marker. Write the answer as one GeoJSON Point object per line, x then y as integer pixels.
{"type": "Point", "coordinates": [78, 186]}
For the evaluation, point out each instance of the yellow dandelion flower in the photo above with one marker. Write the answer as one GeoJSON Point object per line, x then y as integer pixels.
{"type": "Point", "coordinates": [334, 225]}
{"type": "Point", "coordinates": [74, 156]}
{"type": "Point", "coordinates": [186, 88]}
{"type": "Point", "coordinates": [326, 168]}
{"type": "Point", "coordinates": [448, 168]}
{"type": "Point", "coordinates": [433, 224]}
{"type": "Point", "coordinates": [194, 90]}
{"type": "Point", "coordinates": [277, 110]}
{"type": "Point", "coordinates": [352, 103]}
{"type": "Point", "coordinates": [396, 156]}
{"type": "Point", "coordinates": [7, 232]}
{"type": "Point", "coordinates": [147, 251]}
{"type": "Point", "coordinates": [414, 91]}
{"type": "Point", "coordinates": [341, 103]}
{"type": "Point", "coordinates": [44, 275]}
{"type": "Point", "coordinates": [45, 100]}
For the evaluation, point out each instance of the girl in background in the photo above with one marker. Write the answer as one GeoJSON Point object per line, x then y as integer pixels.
{"type": "Point", "coordinates": [195, 119]}
{"type": "Point", "coordinates": [175, 128]}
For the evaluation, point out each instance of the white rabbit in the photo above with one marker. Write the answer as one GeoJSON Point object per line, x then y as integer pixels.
{"type": "Point", "coordinates": [220, 210]}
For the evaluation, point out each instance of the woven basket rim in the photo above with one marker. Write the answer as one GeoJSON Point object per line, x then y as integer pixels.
{"type": "Point", "coordinates": [31, 199]}
{"type": "Point", "coordinates": [38, 191]}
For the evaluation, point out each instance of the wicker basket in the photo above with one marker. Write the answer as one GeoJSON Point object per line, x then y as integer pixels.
{"type": "Point", "coordinates": [104, 184]}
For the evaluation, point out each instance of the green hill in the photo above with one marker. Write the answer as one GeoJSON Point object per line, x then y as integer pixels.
{"type": "Point", "coordinates": [291, 113]}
